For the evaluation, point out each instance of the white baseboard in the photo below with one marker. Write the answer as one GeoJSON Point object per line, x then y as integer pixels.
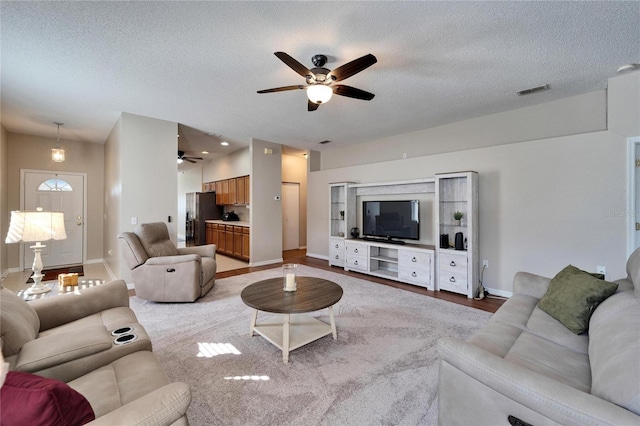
{"type": "Point", "coordinates": [265, 262]}
{"type": "Point", "coordinates": [109, 271]}
{"type": "Point", "coordinates": [318, 256]}
{"type": "Point", "coordinates": [501, 293]}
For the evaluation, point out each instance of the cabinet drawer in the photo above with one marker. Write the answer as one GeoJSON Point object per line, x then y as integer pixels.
{"type": "Point", "coordinates": [336, 251]}
{"type": "Point", "coordinates": [419, 276]}
{"type": "Point", "coordinates": [336, 244]}
{"type": "Point", "coordinates": [356, 262]}
{"type": "Point", "coordinates": [336, 257]}
{"type": "Point", "coordinates": [357, 248]}
{"type": "Point", "coordinates": [412, 259]}
{"type": "Point", "coordinates": [453, 262]}
{"type": "Point", "coordinates": [453, 281]}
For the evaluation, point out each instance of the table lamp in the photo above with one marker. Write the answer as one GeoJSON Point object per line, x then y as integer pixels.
{"type": "Point", "coordinates": [35, 227]}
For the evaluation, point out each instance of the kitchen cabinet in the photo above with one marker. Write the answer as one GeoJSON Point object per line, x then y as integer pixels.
{"type": "Point", "coordinates": [245, 243]}
{"type": "Point", "coordinates": [231, 240]}
{"type": "Point", "coordinates": [228, 239]}
{"type": "Point", "coordinates": [218, 189]}
{"type": "Point", "coordinates": [233, 191]}
{"type": "Point", "coordinates": [237, 241]}
{"type": "Point", "coordinates": [240, 190]}
{"type": "Point", "coordinates": [225, 192]}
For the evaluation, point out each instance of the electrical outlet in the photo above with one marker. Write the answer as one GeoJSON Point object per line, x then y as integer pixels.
{"type": "Point", "coordinates": [485, 264]}
{"type": "Point", "coordinates": [601, 270]}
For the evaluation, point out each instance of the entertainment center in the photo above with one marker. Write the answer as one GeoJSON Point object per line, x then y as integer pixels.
{"type": "Point", "coordinates": [381, 251]}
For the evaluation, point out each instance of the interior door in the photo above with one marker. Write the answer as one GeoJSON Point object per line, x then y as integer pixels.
{"type": "Point", "coordinates": [62, 193]}
{"type": "Point", "coordinates": [290, 216]}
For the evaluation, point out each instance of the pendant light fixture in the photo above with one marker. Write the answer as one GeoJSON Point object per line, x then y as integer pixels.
{"type": "Point", "coordinates": [57, 153]}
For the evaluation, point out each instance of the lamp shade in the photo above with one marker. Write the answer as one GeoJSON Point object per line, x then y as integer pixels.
{"type": "Point", "coordinates": [30, 226]}
{"type": "Point", "coordinates": [319, 93]}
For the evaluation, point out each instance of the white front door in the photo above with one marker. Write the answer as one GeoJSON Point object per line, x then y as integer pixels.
{"type": "Point", "coordinates": [58, 192]}
{"type": "Point", "coordinates": [290, 216]}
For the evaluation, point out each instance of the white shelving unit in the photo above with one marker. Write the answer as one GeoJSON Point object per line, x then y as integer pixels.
{"type": "Point", "coordinates": [409, 263]}
{"type": "Point", "coordinates": [458, 268]}
{"type": "Point", "coordinates": [436, 268]}
{"type": "Point", "coordinates": [343, 199]}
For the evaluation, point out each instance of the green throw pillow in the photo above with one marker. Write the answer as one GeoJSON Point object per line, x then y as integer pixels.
{"type": "Point", "coordinates": [572, 297]}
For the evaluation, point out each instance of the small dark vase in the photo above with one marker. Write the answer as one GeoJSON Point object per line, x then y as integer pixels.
{"type": "Point", "coordinates": [355, 232]}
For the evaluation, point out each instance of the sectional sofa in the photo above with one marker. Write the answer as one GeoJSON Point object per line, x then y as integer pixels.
{"type": "Point", "coordinates": [527, 366]}
{"type": "Point", "coordinates": [62, 349]}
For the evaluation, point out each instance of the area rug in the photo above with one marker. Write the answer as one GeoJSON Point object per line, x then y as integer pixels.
{"type": "Point", "coordinates": [382, 369]}
{"type": "Point", "coordinates": [52, 274]}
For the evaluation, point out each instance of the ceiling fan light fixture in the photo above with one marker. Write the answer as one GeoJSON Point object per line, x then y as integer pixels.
{"type": "Point", "coordinates": [224, 143]}
{"type": "Point", "coordinates": [319, 93]}
{"type": "Point", "coordinates": [180, 160]}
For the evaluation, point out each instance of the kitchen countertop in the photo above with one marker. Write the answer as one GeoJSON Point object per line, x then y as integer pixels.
{"type": "Point", "coordinates": [230, 222]}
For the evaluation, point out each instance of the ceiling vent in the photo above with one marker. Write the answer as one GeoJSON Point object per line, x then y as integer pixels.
{"type": "Point", "coordinates": [324, 142]}
{"type": "Point", "coordinates": [534, 90]}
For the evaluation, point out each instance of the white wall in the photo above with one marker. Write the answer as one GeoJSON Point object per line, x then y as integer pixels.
{"type": "Point", "coordinates": [112, 200]}
{"type": "Point", "coordinates": [266, 212]}
{"type": "Point", "coordinates": [4, 190]}
{"type": "Point", "coordinates": [577, 114]}
{"type": "Point", "coordinates": [237, 163]}
{"type": "Point", "coordinates": [543, 203]}
{"type": "Point", "coordinates": [142, 169]}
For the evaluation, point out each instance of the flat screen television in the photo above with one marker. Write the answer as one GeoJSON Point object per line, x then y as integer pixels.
{"type": "Point", "coordinates": [391, 219]}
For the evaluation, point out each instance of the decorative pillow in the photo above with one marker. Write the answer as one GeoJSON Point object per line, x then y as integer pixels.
{"type": "Point", "coordinates": [28, 399]}
{"type": "Point", "coordinates": [572, 297]}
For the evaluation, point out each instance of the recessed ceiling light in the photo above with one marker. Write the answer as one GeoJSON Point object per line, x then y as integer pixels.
{"type": "Point", "coordinates": [205, 152]}
{"type": "Point", "coordinates": [629, 67]}
{"type": "Point", "coordinates": [224, 143]}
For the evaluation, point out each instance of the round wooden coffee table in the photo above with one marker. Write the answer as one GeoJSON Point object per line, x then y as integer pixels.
{"type": "Point", "coordinates": [295, 328]}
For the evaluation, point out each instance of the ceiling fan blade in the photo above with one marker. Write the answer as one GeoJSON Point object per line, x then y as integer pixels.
{"type": "Point", "coordinates": [312, 106]}
{"type": "Point", "coordinates": [294, 65]}
{"type": "Point", "coordinates": [352, 92]}
{"type": "Point", "coordinates": [193, 158]}
{"type": "Point", "coordinates": [282, 89]}
{"type": "Point", "coordinates": [188, 159]}
{"type": "Point", "coordinates": [353, 67]}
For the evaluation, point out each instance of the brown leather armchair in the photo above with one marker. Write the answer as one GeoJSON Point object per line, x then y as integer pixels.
{"type": "Point", "coordinates": [162, 272]}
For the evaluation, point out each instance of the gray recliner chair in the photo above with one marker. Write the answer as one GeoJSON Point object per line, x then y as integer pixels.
{"type": "Point", "coordinates": [162, 272]}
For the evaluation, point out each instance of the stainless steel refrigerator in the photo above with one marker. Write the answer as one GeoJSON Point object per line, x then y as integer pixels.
{"type": "Point", "coordinates": [201, 206]}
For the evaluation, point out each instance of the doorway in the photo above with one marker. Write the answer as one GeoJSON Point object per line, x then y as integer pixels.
{"type": "Point", "coordinates": [61, 192]}
{"type": "Point", "coordinates": [290, 216]}
{"type": "Point", "coordinates": [633, 194]}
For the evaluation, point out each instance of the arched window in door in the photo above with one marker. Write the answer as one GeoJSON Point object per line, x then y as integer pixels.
{"type": "Point", "coordinates": [55, 185]}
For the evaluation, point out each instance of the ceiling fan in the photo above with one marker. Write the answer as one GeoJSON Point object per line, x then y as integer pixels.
{"type": "Point", "coordinates": [320, 80]}
{"type": "Point", "coordinates": [182, 157]}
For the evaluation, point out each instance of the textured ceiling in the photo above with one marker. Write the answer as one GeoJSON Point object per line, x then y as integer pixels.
{"type": "Point", "coordinates": [201, 63]}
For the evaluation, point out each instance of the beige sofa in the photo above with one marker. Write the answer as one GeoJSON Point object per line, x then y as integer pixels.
{"type": "Point", "coordinates": [525, 367]}
{"type": "Point", "coordinates": [162, 272]}
{"type": "Point", "coordinates": [69, 338]}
